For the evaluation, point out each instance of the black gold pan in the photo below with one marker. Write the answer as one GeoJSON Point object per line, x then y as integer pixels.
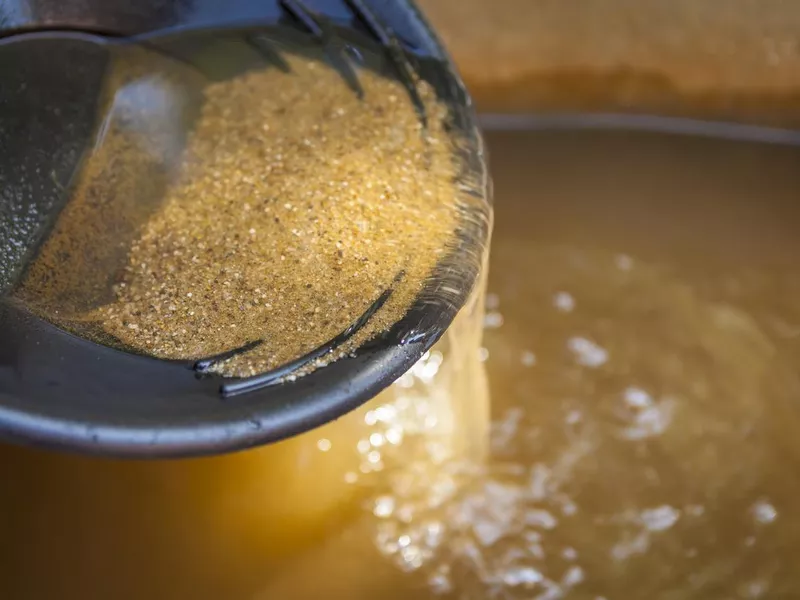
{"type": "Point", "coordinates": [64, 391]}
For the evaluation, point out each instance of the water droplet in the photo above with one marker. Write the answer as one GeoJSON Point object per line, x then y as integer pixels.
{"type": "Point", "coordinates": [493, 320]}
{"type": "Point", "coordinates": [660, 518]}
{"type": "Point", "coordinates": [764, 512]}
{"type": "Point", "coordinates": [564, 302]}
{"type": "Point", "coordinates": [587, 353]}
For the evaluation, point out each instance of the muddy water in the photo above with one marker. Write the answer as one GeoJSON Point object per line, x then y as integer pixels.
{"type": "Point", "coordinates": [644, 353]}
{"type": "Point", "coordinates": [642, 345]}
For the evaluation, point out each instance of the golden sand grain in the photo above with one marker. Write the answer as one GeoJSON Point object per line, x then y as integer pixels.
{"type": "Point", "coordinates": [296, 205]}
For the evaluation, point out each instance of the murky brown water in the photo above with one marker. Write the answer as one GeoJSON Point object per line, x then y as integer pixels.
{"type": "Point", "coordinates": [642, 341]}
{"type": "Point", "coordinates": [647, 368]}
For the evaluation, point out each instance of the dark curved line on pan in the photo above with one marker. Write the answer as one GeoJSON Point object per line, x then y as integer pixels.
{"type": "Point", "coordinates": [73, 31]}
{"type": "Point", "coordinates": [276, 376]}
{"type": "Point", "coordinates": [386, 37]}
{"type": "Point", "coordinates": [336, 51]}
{"type": "Point", "coordinates": [303, 16]}
{"type": "Point", "coordinates": [324, 34]}
{"type": "Point", "coordinates": [373, 24]}
{"type": "Point", "coordinates": [204, 365]}
{"type": "Point", "coordinates": [260, 43]}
